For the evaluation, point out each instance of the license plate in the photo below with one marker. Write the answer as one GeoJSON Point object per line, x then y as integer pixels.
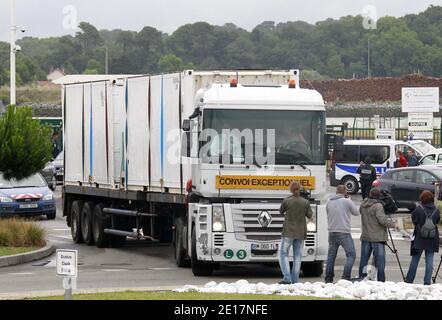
{"type": "Point", "coordinates": [264, 246]}
{"type": "Point", "coordinates": [28, 206]}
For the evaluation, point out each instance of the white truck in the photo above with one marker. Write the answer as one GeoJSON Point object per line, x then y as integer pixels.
{"type": "Point", "coordinates": [147, 157]}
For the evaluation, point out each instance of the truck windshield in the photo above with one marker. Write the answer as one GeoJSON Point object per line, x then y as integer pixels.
{"type": "Point", "coordinates": [282, 137]}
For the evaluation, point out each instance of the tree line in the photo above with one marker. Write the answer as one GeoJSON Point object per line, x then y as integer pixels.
{"type": "Point", "coordinates": [328, 49]}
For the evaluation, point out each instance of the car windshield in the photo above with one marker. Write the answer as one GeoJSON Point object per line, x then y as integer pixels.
{"type": "Point", "coordinates": [33, 181]}
{"type": "Point", "coordinates": [247, 136]}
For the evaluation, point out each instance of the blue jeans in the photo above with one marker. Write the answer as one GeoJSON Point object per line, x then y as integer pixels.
{"type": "Point", "coordinates": [411, 274]}
{"type": "Point", "coordinates": [378, 249]}
{"type": "Point", "coordinates": [286, 243]}
{"type": "Point", "coordinates": [336, 239]}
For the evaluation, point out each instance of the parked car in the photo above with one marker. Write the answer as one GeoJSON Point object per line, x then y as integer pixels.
{"type": "Point", "coordinates": [432, 157]}
{"type": "Point", "coordinates": [59, 169]}
{"type": "Point", "coordinates": [26, 197]}
{"type": "Point", "coordinates": [49, 174]}
{"type": "Point", "coordinates": [406, 184]}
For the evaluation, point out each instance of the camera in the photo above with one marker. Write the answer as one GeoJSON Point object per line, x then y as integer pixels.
{"type": "Point", "coordinates": [23, 29]}
{"type": "Point", "coordinates": [17, 48]}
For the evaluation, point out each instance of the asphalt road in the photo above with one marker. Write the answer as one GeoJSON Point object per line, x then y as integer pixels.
{"type": "Point", "coordinates": [141, 264]}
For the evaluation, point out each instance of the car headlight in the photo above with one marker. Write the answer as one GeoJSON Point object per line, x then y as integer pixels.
{"type": "Point", "coordinates": [5, 200]}
{"type": "Point", "coordinates": [49, 196]}
{"type": "Point", "coordinates": [218, 220]}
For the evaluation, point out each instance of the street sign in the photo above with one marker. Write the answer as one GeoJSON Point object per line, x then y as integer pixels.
{"type": "Point", "coordinates": [423, 135]}
{"type": "Point", "coordinates": [67, 263]}
{"type": "Point", "coordinates": [385, 134]}
{"type": "Point", "coordinates": [420, 122]}
{"type": "Point", "coordinates": [420, 99]}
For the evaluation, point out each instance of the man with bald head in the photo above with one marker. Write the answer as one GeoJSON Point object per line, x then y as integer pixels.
{"type": "Point", "coordinates": [339, 211]}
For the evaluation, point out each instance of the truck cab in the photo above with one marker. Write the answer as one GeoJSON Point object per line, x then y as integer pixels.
{"type": "Point", "coordinates": [246, 143]}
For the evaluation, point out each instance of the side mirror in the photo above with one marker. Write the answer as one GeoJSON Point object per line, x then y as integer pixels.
{"type": "Point", "coordinates": [186, 144]}
{"type": "Point", "coordinates": [187, 125]}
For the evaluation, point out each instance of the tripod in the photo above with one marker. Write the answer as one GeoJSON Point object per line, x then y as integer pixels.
{"type": "Point", "coordinates": [437, 271]}
{"type": "Point", "coordinates": [393, 250]}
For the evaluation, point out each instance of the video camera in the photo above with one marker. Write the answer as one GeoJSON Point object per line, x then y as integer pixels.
{"type": "Point", "coordinates": [387, 201]}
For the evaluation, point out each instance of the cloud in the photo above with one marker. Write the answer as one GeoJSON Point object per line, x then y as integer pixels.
{"type": "Point", "coordinates": [45, 18]}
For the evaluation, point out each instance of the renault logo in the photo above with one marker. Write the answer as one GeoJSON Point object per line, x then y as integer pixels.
{"type": "Point", "coordinates": [264, 219]}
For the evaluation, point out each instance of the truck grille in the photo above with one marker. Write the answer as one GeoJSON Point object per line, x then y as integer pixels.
{"type": "Point", "coordinates": [248, 227]}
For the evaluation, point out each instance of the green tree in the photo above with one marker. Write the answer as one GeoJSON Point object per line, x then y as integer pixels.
{"type": "Point", "coordinates": [170, 63]}
{"type": "Point", "coordinates": [25, 144]}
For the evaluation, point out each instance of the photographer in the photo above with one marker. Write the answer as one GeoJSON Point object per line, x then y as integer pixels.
{"type": "Point", "coordinates": [374, 234]}
{"type": "Point", "coordinates": [340, 208]}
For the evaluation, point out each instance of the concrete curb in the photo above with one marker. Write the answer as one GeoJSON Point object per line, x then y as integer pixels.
{"type": "Point", "coordinates": [28, 256]}
{"type": "Point", "coordinates": [52, 293]}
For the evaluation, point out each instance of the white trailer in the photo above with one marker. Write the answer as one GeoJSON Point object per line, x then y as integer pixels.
{"type": "Point", "coordinates": [135, 166]}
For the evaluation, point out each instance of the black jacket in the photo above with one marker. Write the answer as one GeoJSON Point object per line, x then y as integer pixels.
{"type": "Point", "coordinates": [367, 173]}
{"type": "Point", "coordinates": [418, 217]}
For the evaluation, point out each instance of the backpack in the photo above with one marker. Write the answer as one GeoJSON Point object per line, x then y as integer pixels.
{"type": "Point", "coordinates": [428, 230]}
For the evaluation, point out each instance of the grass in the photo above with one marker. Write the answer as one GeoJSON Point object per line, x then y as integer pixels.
{"type": "Point", "coordinates": [9, 251]}
{"type": "Point", "coordinates": [38, 92]}
{"type": "Point", "coordinates": [21, 233]}
{"type": "Point", "coordinates": [168, 295]}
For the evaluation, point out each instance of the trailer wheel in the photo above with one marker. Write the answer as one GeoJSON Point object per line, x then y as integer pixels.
{"type": "Point", "coordinates": [199, 268]}
{"type": "Point", "coordinates": [312, 269]}
{"type": "Point", "coordinates": [86, 223]}
{"type": "Point", "coordinates": [180, 253]}
{"type": "Point", "coordinates": [77, 206]}
{"type": "Point", "coordinates": [100, 222]}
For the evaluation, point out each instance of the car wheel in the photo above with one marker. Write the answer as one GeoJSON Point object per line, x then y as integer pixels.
{"type": "Point", "coordinates": [51, 216]}
{"type": "Point", "coordinates": [351, 184]}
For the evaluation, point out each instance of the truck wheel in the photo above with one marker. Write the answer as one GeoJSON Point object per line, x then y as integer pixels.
{"type": "Point", "coordinates": [351, 184]}
{"type": "Point", "coordinates": [199, 268]}
{"type": "Point", "coordinates": [100, 222]}
{"type": "Point", "coordinates": [77, 206]}
{"type": "Point", "coordinates": [51, 216]}
{"type": "Point", "coordinates": [86, 223]}
{"type": "Point", "coordinates": [312, 269]}
{"type": "Point", "coordinates": [180, 253]}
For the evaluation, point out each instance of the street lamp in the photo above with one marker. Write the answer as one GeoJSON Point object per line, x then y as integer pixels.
{"type": "Point", "coordinates": [14, 49]}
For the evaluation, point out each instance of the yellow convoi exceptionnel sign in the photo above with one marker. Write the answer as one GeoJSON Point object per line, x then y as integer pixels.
{"type": "Point", "coordinates": [263, 182]}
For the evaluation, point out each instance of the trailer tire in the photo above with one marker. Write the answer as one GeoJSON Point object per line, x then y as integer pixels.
{"type": "Point", "coordinates": [180, 253]}
{"type": "Point", "coordinates": [100, 222]}
{"type": "Point", "coordinates": [86, 223]}
{"type": "Point", "coordinates": [76, 208]}
{"type": "Point", "coordinates": [199, 268]}
{"type": "Point", "coordinates": [312, 269]}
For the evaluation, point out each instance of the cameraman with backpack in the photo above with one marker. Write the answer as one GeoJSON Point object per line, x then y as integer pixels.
{"type": "Point", "coordinates": [425, 236]}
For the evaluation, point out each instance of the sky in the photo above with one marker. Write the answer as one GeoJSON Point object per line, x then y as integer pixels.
{"type": "Point", "coordinates": [45, 18]}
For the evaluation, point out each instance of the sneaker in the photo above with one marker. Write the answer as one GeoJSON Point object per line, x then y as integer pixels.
{"type": "Point", "coordinates": [284, 282]}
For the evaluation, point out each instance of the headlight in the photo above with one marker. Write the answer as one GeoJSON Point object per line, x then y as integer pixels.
{"type": "Point", "coordinates": [49, 196]}
{"type": "Point", "coordinates": [311, 226]}
{"type": "Point", "coordinates": [5, 199]}
{"type": "Point", "coordinates": [218, 221]}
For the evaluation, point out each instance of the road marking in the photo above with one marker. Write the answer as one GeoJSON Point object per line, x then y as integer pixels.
{"type": "Point", "coordinates": [114, 270]}
{"type": "Point", "coordinates": [160, 269]}
{"type": "Point", "coordinates": [21, 274]}
{"type": "Point", "coordinates": [63, 229]}
{"type": "Point", "coordinates": [63, 237]}
{"type": "Point", "coordinates": [59, 241]}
